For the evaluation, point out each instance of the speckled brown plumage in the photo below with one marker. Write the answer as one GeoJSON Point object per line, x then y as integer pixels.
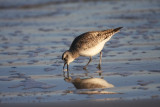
{"type": "Point", "coordinates": [90, 39]}
{"type": "Point", "coordinates": [88, 44]}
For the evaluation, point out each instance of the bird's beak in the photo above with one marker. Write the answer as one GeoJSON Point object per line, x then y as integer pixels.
{"type": "Point", "coordinates": [65, 65]}
{"type": "Point", "coordinates": [67, 69]}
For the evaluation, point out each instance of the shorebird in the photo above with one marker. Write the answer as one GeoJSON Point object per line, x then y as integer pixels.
{"type": "Point", "coordinates": [88, 44]}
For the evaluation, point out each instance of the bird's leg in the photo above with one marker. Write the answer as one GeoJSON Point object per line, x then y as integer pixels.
{"type": "Point", "coordinates": [67, 70]}
{"type": "Point", "coordinates": [85, 67]}
{"type": "Point", "coordinates": [99, 65]}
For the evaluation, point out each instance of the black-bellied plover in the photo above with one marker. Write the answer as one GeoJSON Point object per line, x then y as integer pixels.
{"type": "Point", "coordinates": [88, 44]}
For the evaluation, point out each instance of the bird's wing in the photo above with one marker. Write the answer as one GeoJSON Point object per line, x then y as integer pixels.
{"type": "Point", "coordinates": [85, 41]}
{"type": "Point", "coordinates": [91, 39]}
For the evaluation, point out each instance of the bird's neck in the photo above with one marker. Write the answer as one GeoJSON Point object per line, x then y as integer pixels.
{"type": "Point", "coordinates": [75, 54]}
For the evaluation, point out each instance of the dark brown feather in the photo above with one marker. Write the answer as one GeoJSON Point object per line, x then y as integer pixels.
{"type": "Point", "coordinates": [90, 39]}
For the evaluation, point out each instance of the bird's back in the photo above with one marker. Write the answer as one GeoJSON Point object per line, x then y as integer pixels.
{"type": "Point", "coordinates": [91, 39]}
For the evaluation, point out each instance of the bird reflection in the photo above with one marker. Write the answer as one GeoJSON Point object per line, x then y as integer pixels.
{"type": "Point", "coordinates": [89, 83]}
{"type": "Point", "coordinates": [86, 74]}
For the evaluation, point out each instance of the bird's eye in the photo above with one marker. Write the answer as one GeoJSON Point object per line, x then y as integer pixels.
{"type": "Point", "coordinates": [65, 59]}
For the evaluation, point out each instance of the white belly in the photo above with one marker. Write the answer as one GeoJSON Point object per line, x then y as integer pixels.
{"type": "Point", "coordinates": [94, 50]}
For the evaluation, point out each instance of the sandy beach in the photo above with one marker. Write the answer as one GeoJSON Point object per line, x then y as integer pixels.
{"type": "Point", "coordinates": [35, 33]}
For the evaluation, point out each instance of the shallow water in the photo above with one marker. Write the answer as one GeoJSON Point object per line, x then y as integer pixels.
{"type": "Point", "coordinates": [33, 36]}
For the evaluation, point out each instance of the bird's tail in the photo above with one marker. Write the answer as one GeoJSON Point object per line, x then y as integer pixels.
{"type": "Point", "coordinates": [117, 29]}
{"type": "Point", "coordinates": [110, 32]}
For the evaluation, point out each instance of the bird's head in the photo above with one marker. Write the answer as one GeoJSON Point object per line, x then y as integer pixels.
{"type": "Point", "coordinates": [67, 58]}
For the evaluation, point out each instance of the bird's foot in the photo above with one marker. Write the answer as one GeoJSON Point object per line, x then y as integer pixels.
{"type": "Point", "coordinates": [99, 67]}
{"type": "Point", "coordinates": [85, 67]}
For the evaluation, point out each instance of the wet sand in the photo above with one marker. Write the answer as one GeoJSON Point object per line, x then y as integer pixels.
{"type": "Point", "coordinates": [34, 34]}
{"type": "Point", "coordinates": [123, 103]}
